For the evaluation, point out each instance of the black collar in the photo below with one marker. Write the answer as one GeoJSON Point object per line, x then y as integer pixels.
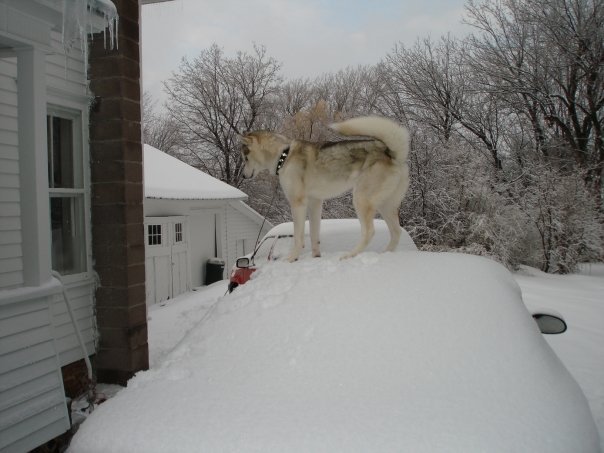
{"type": "Point", "coordinates": [282, 158]}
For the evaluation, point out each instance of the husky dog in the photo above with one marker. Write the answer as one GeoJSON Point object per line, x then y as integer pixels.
{"type": "Point", "coordinates": [374, 168]}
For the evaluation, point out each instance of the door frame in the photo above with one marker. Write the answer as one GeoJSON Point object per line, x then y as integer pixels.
{"type": "Point", "coordinates": [161, 243]}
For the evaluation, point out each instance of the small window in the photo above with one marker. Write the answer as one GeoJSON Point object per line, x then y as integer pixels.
{"type": "Point", "coordinates": [154, 234]}
{"type": "Point", "coordinates": [178, 232]}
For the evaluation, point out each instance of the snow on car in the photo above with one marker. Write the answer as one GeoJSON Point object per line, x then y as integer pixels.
{"type": "Point", "coordinates": [337, 235]}
{"type": "Point", "coordinates": [404, 351]}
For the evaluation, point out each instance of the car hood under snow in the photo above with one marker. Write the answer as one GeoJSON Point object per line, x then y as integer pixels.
{"type": "Point", "coordinates": [406, 351]}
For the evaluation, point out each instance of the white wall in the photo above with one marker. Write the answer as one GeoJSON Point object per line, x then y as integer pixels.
{"type": "Point", "coordinates": [205, 226]}
{"type": "Point", "coordinates": [66, 87]}
{"type": "Point", "coordinates": [202, 217]}
{"type": "Point", "coordinates": [244, 225]}
{"type": "Point", "coordinates": [36, 333]}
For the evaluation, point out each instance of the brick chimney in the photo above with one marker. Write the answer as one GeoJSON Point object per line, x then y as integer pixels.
{"type": "Point", "coordinates": [117, 200]}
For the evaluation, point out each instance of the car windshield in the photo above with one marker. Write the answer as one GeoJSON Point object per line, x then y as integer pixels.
{"type": "Point", "coordinates": [261, 255]}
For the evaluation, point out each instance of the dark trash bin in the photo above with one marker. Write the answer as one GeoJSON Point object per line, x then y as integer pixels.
{"type": "Point", "coordinates": [214, 270]}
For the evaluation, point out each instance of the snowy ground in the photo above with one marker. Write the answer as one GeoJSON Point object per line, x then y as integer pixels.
{"type": "Point", "coordinates": [169, 322]}
{"type": "Point", "coordinates": [189, 362]}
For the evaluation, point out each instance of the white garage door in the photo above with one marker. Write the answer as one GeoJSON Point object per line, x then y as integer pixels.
{"type": "Point", "coordinates": [166, 258]}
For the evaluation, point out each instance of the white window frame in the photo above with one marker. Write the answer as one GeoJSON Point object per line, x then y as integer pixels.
{"type": "Point", "coordinates": [78, 115]}
{"type": "Point", "coordinates": [156, 230]}
{"type": "Point", "coordinates": [179, 233]}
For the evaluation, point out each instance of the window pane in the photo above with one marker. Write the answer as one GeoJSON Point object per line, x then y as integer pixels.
{"type": "Point", "coordinates": [68, 244]}
{"type": "Point", "coordinates": [154, 234]}
{"type": "Point", "coordinates": [61, 166]}
{"type": "Point", "coordinates": [178, 232]}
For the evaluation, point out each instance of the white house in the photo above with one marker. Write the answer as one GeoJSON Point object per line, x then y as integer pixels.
{"type": "Point", "coordinates": [190, 217]}
{"type": "Point", "coordinates": [47, 202]}
{"type": "Point", "coordinates": [72, 200]}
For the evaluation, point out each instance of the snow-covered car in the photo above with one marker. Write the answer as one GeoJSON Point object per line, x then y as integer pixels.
{"type": "Point", "coordinates": [337, 235]}
{"type": "Point", "coordinates": [395, 352]}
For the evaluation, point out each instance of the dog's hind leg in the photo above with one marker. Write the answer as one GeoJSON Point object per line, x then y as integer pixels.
{"type": "Point", "coordinates": [365, 212]}
{"type": "Point", "coordinates": [390, 216]}
{"type": "Point", "coordinates": [315, 206]}
{"type": "Point", "coordinates": [390, 205]}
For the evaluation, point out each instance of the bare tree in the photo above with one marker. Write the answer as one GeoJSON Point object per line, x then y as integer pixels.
{"type": "Point", "coordinates": [215, 98]}
{"type": "Point", "coordinates": [429, 79]}
{"type": "Point", "coordinates": [159, 129]}
{"type": "Point", "coordinates": [295, 96]}
{"type": "Point", "coordinates": [544, 57]}
{"type": "Point", "coordinates": [437, 87]}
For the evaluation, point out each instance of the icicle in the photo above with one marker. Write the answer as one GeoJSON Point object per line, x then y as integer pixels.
{"type": "Point", "coordinates": [77, 24]}
{"type": "Point", "coordinates": [110, 17]}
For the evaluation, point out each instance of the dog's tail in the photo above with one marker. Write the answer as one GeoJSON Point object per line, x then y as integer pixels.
{"type": "Point", "coordinates": [393, 135]}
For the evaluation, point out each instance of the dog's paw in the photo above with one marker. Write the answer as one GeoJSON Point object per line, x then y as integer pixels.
{"type": "Point", "coordinates": [316, 254]}
{"type": "Point", "coordinates": [292, 258]}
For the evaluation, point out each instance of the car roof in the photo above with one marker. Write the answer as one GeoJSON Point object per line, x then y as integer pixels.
{"type": "Point", "coordinates": [343, 234]}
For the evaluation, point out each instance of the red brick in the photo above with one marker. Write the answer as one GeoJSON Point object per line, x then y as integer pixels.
{"type": "Point", "coordinates": [75, 378]}
{"type": "Point", "coordinates": [122, 150]}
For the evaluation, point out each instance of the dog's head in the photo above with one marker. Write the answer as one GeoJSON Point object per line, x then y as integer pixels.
{"type": "Point", "coordinates": [259, 151]}
{"type": "Point", "coordinates": [249, 153]}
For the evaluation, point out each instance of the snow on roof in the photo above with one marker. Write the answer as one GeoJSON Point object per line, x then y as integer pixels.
{"type": "Point", "coordinates": [170, 178]}
{"type": "Point", "coordinates": [343, 234]}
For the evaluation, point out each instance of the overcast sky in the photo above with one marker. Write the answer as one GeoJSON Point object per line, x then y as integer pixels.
{"type": "Point", "coordinates": [309, 37]}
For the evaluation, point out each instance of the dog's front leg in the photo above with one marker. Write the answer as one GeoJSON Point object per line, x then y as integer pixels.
{"type": "Point", "coordinates": [299, 216]}
{"type": "Point", "coordinates": [315, 206]}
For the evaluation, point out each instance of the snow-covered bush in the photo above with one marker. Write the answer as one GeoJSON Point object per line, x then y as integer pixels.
{"type": "Point", "coordinates": [566, 222]}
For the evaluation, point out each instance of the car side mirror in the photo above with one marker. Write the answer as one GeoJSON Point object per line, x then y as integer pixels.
{"type": "Point", "coordinates": [243, 262]}
{"type": "Point", "coordinates": [550, 324]}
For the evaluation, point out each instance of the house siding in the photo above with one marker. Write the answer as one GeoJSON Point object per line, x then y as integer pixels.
{"type": "Point", "coordinates": [32, 401]}
{"type": "Point", "coordinates": [66, 73]}
{"type": "Point", "coordinates": [242, 227]}
{"type": "Point", "coordinates": [67, 344]}
{"type": "Point", "coordinates": [37, 336]}
{"type": "Point", "coordinates": [11, 255]}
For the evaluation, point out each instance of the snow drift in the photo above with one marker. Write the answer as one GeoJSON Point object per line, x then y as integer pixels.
{"type": "Point", "coordinates": [402, 351]}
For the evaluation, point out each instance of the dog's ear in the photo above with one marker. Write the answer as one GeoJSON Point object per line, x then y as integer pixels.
{"type": "Point", "coordinates": [246, 139]}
